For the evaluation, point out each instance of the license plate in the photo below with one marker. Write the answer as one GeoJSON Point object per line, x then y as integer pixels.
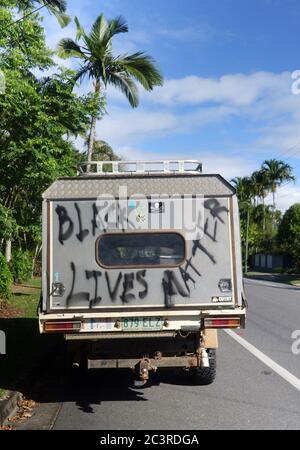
{"type": "Point", "coordinates": [142, 324]}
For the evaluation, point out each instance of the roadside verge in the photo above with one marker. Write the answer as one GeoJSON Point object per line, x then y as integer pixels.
{"type": "Point", "coordinates": [26, 350]}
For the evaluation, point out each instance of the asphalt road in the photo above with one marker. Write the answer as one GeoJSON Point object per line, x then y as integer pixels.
{"type": "Point", "coordinates": [248, 393]}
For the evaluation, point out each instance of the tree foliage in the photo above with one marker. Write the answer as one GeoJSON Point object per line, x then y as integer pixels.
{"type": "Point", "coordinates": [21, 266]}
{"type": "Point", "coordinates": [102, 151]}
{"type": "Point", "coordinates": [289, 233]}
{"type": "Point", "coordinates": [40, 118]}
{"type": "Point", "coordinates": [275, 173]}
{"type": "Point", "coordinates": [5, 281]}
{"type": "Point", "coordinates": [260, 221]}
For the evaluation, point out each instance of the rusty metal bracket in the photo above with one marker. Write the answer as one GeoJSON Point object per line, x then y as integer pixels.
{"type": "Point", "coordinates": [143, 369]}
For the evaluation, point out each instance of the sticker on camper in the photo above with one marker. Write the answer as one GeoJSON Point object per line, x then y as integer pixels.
{"type": "Point", "coordinates": [138, 213]}
{"type": "Point", "coordinates": [156, 207]}
{"type": "Point", "coordinates": [98, 325]}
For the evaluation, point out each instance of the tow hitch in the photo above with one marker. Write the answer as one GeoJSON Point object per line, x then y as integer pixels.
{"type": "Point", "coordinates": [142, 369]}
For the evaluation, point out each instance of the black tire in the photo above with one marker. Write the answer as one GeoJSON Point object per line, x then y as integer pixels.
{"type": "Point", "coordinates": [206, 375]}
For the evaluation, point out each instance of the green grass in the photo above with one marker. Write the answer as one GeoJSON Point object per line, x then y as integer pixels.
{"type": "Point", "coordinates": [26, 300]}
{"type": "Point", "coordinates": [295, 282]}
{"type": "Point", "coordinates": [2, 393]}
{"type": "Point", "coordinates": [25, 346]}
{"type": "Point", "coordinates": [256, 273]}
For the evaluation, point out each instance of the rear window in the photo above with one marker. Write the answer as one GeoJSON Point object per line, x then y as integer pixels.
{"type": "Point", "coordinates": [141, 249]}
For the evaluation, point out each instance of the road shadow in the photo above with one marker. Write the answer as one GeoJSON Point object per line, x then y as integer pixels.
{"type": "Point", "coordinates": [38, 366]}
{"type": "Point", "coordinates": [26, 351]}
{"type": "Point", "coordinates": [52, 381]}
{"type": "Point", "coordinates": [97, 386]}
{"type": "Point", "coordinates": [107, 385]}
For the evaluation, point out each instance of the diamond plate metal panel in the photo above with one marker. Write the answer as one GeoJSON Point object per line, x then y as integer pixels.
{"type": "Point", "coordinates": [91, 187]}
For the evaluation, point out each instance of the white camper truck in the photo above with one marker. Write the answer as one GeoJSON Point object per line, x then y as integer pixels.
{"type": "Point", "coordinates": [142, 266]}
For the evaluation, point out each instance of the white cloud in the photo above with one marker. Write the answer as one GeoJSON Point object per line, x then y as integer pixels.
{"type": "Point", "coordinates": [286, 196]}
{"type": "Point", "coordinates": [228, 166]}
{"type": "Point", "coordinates": [130, 126]}
{"type": "Point", "coordinates": [264, 99]}
{"type": "Point", "coordinates": [236, 89]}
{"type": "Point", "coordinates": [185, 105]}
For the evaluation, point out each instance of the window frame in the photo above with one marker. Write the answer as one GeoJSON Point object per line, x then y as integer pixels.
{"type": "Point", "coordinates": [141, 266]}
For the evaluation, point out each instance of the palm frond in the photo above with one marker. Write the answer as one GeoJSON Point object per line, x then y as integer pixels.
{"type": "Point", "coordinates": [125, 84]}
{"type": "Point", "coordinates": [117, 25]}
{"type": "Point", "coordinates": [99, 29]}
{"type": "Point", "coordinates": [80, 31]}
{"type": "Point", "coordinates": [142, 67]}
{"type": "Point", "coordinates": [68, 47]}
{"type": "Point", "coordinates": [59, 5]}
{"type": "Point", "coordinates": [58, 9]}
{"type": "Point", "coordinates": [62, 18]}
{"type": "Point", "coordinates": [81, 73]}
{"type": "Point", "coordinates": [102, 32]}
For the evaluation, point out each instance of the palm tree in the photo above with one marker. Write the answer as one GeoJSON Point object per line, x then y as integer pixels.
{"type": "Point", "coordinates": [261, 186]}
{"type": "Point", "coordinates": [102, 151]}
{"type": "Point", "coordinates": [99, 64]}
{"type": "Point", "coordinates": [277, 172]}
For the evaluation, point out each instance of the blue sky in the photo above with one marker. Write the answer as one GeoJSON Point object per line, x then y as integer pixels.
{"type": "Point", "coordinates": [227, 98]}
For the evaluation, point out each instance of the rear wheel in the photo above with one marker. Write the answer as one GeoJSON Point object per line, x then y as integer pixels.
{"type": "Point", "coordinates": [204, 376]}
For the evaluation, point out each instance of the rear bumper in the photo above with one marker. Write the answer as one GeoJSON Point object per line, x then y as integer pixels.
{"type": "Point", "coordinates": [96, 325]}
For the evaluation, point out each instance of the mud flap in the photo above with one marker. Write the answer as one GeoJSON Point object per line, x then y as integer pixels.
{"type": "Point", "coordinates": [210, 338]}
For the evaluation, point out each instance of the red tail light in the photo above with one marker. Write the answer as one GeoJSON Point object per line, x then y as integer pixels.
{"type": "Point", "coordinates": [61, 326]}
{"type": "Point", "coordinates": [230, 322]}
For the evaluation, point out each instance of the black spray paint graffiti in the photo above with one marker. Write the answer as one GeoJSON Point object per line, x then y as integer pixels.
{"type": "Point", "coordinates": [63, 218]}
{"type": "Point", "coordinates": [76, 298]}
{"type": "Point", "coordinates": [95, 274]}
{"type": "Point", "coordinates": [129, 282]}
{"type": "Point", "coordinates": [113, 292]}
{"type": "Point", "coordinates": [100, 219]}
{"type": "Point", "coordinates": [82, 233]}
{"type": "Point", "coordinates": [215, 209]}
{"type": "Point", "coordinates": [171, 285]}
{"type": "Point", "coordinates": [66, 224]}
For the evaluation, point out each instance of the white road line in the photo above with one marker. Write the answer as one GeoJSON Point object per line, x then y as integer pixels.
{"type": "Point", "coordinates": [281, 371]}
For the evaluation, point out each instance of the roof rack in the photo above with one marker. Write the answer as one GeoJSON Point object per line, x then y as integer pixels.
{"type": "Point", "coordinates": [138, 167]}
